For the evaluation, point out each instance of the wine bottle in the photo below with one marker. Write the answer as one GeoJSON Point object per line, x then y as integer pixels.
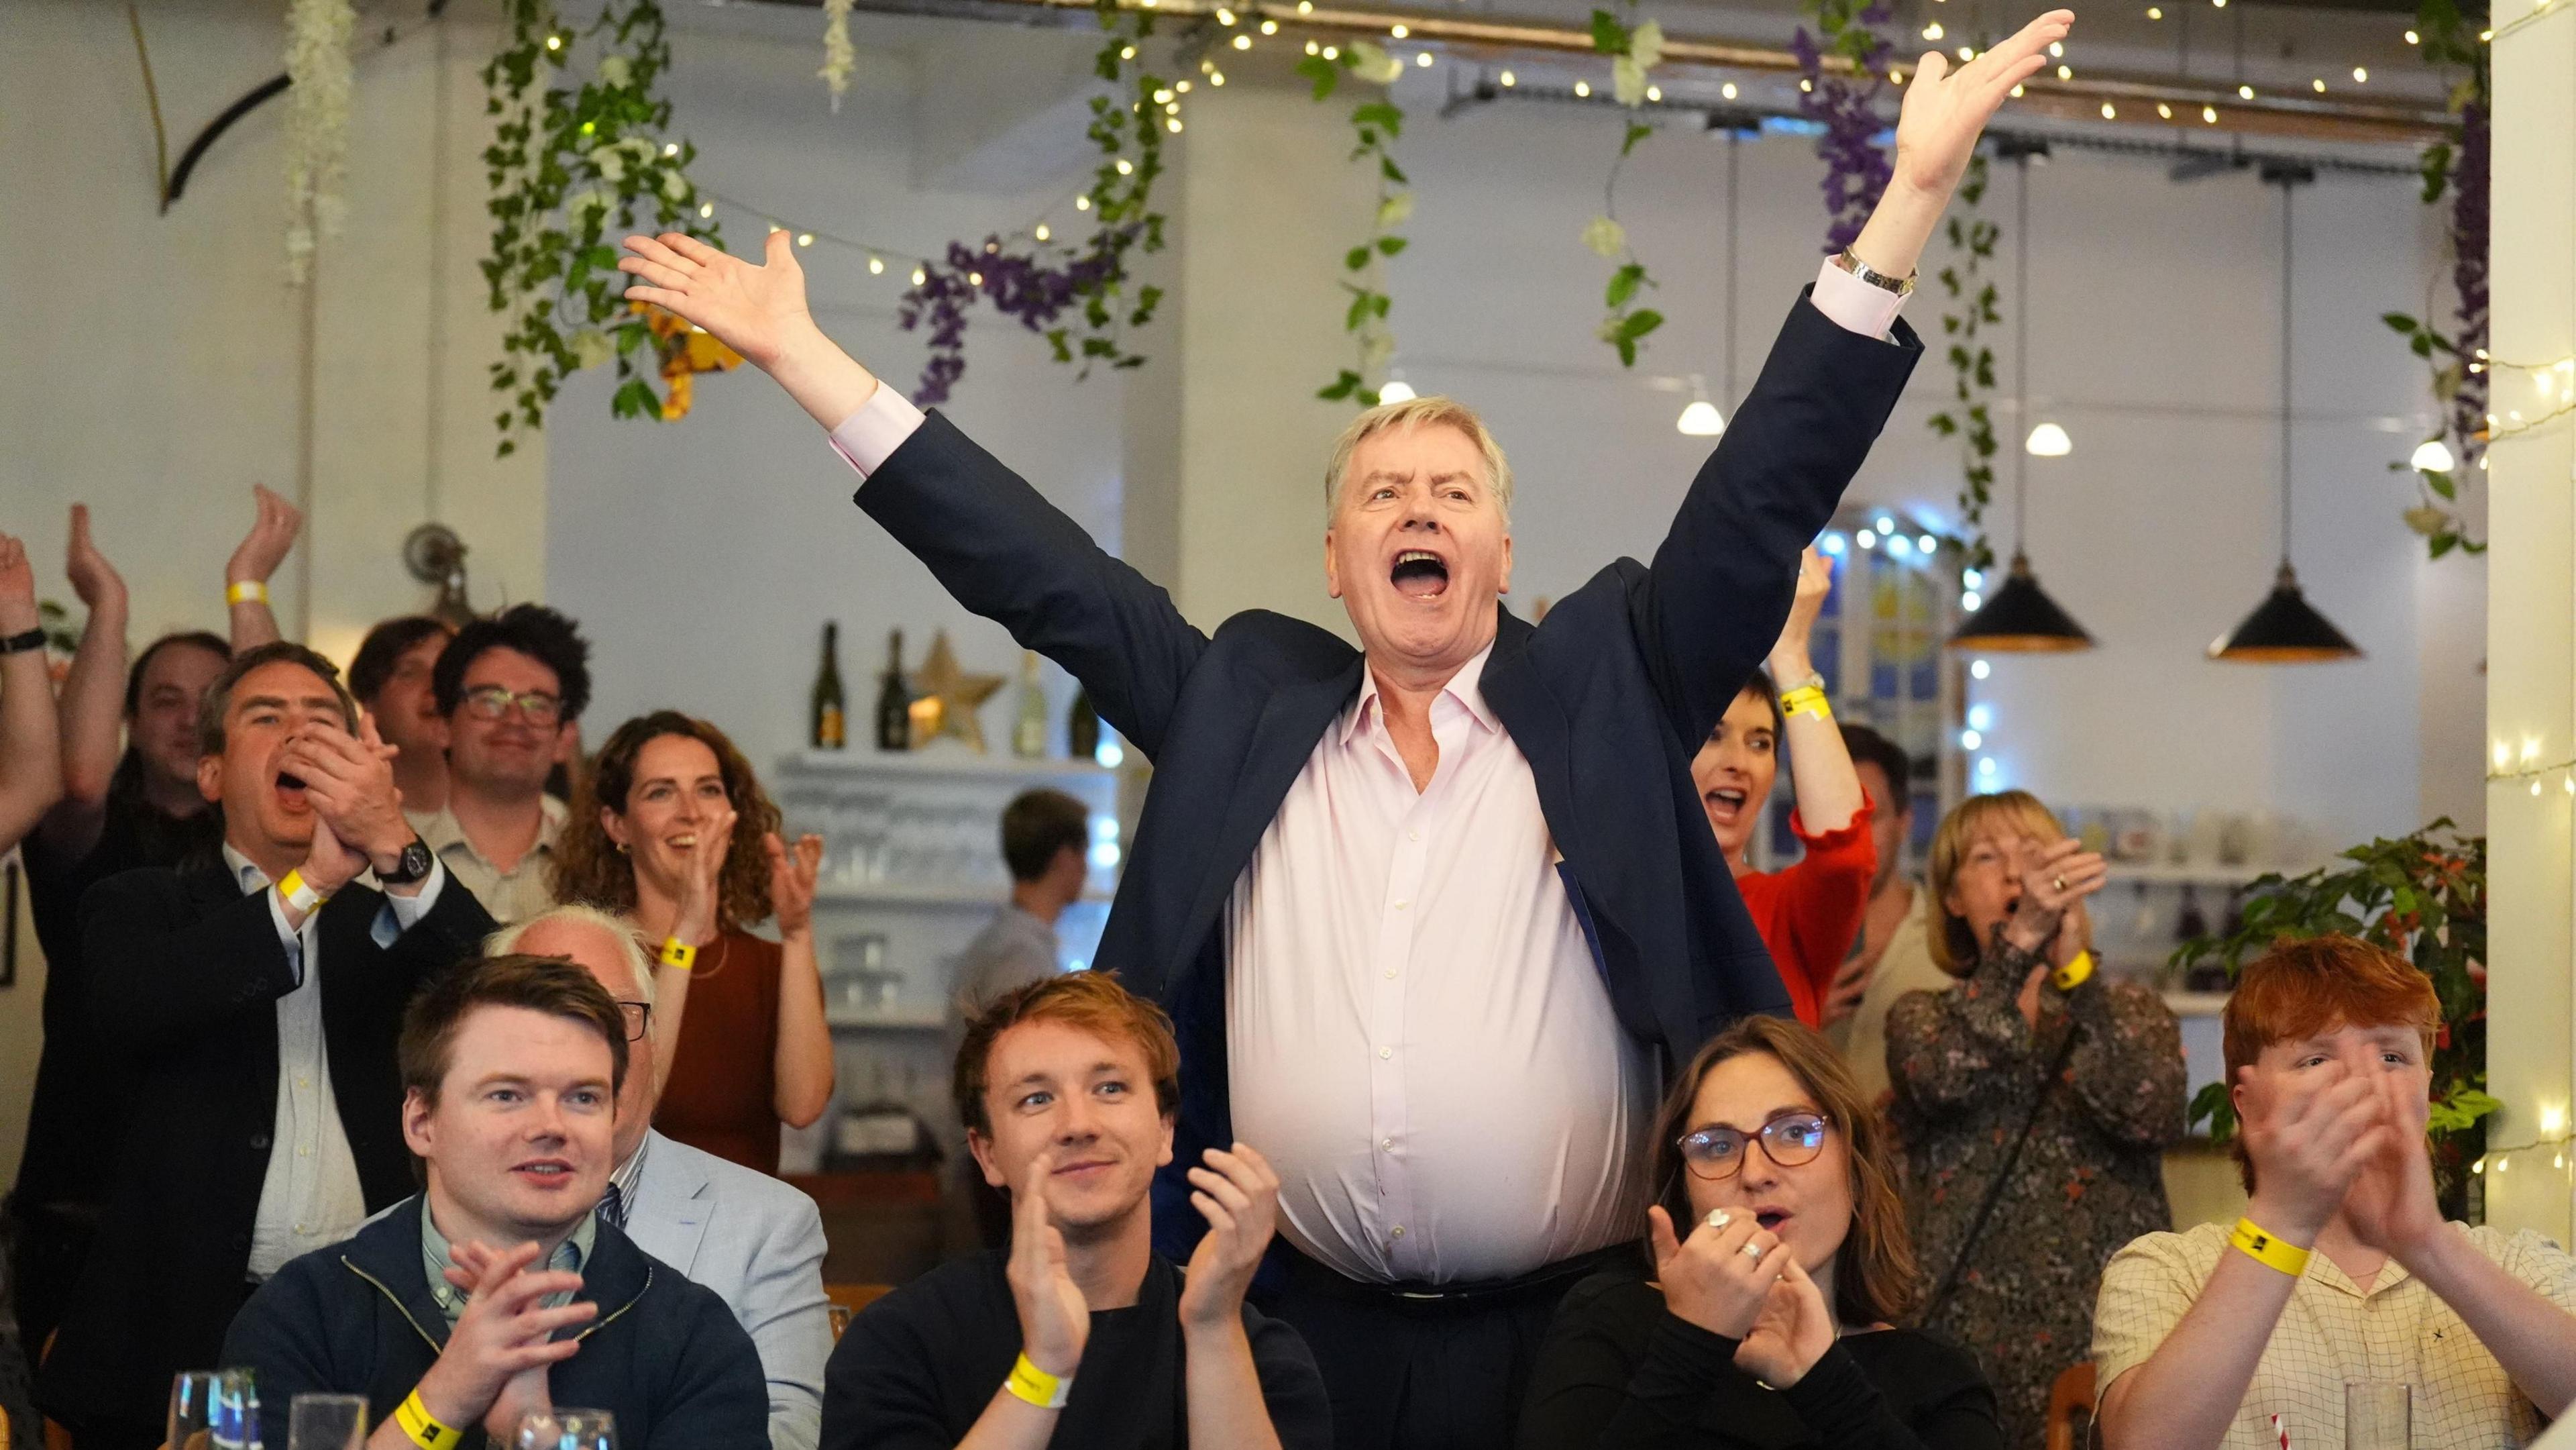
{"type": "Point", "coordinates": [894, 701]}
{"type": "Point", "coordinates": [1029, 735]}
{"type": "Point", "coordinates": [1082, 728]}
{"type": "Point", "coordinates": [831, 706]}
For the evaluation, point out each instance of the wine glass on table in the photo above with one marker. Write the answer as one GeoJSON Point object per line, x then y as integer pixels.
{"type": "Point", "coordinates": [568, 1429]}
{"type": "Point", "coordinates": [326, 1422]}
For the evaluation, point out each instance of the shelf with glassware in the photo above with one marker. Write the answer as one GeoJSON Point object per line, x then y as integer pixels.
{"type": "Point", "coordinates": [1879, 645]}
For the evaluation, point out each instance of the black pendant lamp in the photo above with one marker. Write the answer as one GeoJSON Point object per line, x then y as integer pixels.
{"type": "Point", "coordinates": [2018, 617]}
{"type": "Point", "coordinates": [2285, 629]}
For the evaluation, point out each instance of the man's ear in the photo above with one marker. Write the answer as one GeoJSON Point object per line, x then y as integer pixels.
{"type": "Point", "coordinates": [1165, 1156]}
{"type": "Point", "coordinates": [210, 777]}
{"type": "Point", "coordinates": [416, 1113]}
{"type": "Point", "coordinates": [567, 742]}
{"type": "Point", "coordinates": [1332, 570]}
{"type": "Point", "coordinates": [1506, 586]}
{"type": "Point", "coordinates": [982, 1147]}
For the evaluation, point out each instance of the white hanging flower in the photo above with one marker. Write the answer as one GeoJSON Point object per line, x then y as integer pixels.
{"type": "Point", "coordinates": [317, 125]}
{"type": "Point", "coordinates": [1605, 237]}
{"type": "Point", "coordinates": [610, 162]}
{"type": "Point", "coordinates": [616, 70]}
{"type": "Point", "coordinates": [1376, 350]}
{"type": "Point", "coordinates": [1628, 81]}
{"type": "Point", "coordinates": [839, 56]}
{"type": "Point", "coordinates": [1372, 64]}
{"type": "Point", "coordinates": [675, 187]}
{"type": "Point", "coordinates": [1395, 211]}
{"type": "Point", "coordinates": [591, 347]}
{"type": "Point", "coordinates": [1646, 45]}
{"type": "Point", "coordinates": [582, 205]}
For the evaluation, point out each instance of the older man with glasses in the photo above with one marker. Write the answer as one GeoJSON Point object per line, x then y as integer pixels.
{"type": "Point", "coordinates": [511, 688]}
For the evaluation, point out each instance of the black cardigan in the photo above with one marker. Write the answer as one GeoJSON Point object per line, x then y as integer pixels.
{"type": "Point", "coordinates": [1619, 1370]}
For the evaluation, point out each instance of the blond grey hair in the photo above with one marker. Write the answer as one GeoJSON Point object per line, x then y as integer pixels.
{"type": "Point", "coordinates": [1434, 410]}
{"type": "Point", "coordinates": [505, 942]}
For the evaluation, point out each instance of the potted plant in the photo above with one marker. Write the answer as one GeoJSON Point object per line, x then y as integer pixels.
{"type": "Point", "coordinates": [2423, 896]}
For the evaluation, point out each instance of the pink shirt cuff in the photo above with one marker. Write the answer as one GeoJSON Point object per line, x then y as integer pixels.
{"type": "Point", "coordinates": [1854, 305]}
{"type": "Point", "coordinates": [868, 437]}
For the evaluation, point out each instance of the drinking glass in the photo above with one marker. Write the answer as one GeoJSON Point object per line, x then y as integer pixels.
{"type": "Point", "coordinates": [326, 1422]}
{"type": "Point", "coordinates": [2378, 1415]}
{"type": "Point", "coordinates": [568, 1429]}
{"type": "Point", "coordinates": [193, 1394]}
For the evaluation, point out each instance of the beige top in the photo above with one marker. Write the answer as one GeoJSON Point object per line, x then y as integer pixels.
{"type": "Point", "coordinates": [512, 898]}
{"type": "Point", "coordinates": [2332, 1331]}
{"type": "Point", "coordinates": [1906, 966]}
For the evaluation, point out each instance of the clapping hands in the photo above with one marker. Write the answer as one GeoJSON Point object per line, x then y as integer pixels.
{"type": "Point", "coordinates": [493, 1370]}
{"type": "Point", "coordinates": [1238, 1194]}
{"type": "Point", "coordinates": [272, 533]}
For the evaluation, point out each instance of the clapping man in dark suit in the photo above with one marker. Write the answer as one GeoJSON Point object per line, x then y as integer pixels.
{"type": "Point", "coordinates": [1431, 913]}
{"type": "Point", "coordinates": [254, 1001]}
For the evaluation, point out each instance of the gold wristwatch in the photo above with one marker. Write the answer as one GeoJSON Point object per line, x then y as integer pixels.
{"type": "Point", "coordinates": [1901, 286]}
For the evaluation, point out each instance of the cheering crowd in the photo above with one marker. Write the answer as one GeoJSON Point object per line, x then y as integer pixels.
{"type": "Point", "coordinates": [1449, 1078]}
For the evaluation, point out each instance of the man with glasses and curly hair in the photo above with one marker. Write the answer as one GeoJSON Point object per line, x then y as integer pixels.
{"type": "Point", "coordinates": [511, 689]}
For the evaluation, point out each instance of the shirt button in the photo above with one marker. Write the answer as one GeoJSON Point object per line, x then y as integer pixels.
{"type": "Point", "coordinates": [1413, 835]}
{"type": "Point", "coordinates": [1387, 1143]}
{"type": "Point", "coordinates": [1390, 974]}
{"type": "Point", "coordinates": [1386, 1052]}
{"type": "Point", "coordinates": [304, 1152]}
{"type": "Point", "coordinates": [1399, 1231]}
{"type": "Point", "coordinates": [1401, 905]}
{"type": "Point", "coordinates": [303, 1080]}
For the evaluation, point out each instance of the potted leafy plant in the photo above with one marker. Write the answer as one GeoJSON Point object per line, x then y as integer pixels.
{"type": "Point", "coordinates": [2423, 896]}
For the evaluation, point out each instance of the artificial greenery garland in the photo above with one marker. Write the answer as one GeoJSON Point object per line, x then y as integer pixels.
{"type": "Point", "coordinates": [571, 169]}
{"type": "Point", "coordinates": [1375, 125]}
{"type": "Point", "coordinates": [1634, 48]}
{"type": "Point", "coordinates": [1972, 363]}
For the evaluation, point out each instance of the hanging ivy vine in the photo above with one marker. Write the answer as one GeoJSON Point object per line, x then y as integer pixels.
{"type": "Point", "coordinates": [1971, 309]}
{"type": "Point", "coordinates": [2455, 364]}
{"type": "Point", "coordinates": [1635, 47]}
{"type": "Point", "coordinates": [570, 169]}
{"type": "Point", "coordinates": [1076, 295]}
{"type": "Point", "coordinates": [1846, 106]}
{"type": "Point", "coordinates": [1375, 126]}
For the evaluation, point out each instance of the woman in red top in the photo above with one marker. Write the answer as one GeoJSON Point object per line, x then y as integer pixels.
{"type": "Point", "coordinates": [1810, 913]}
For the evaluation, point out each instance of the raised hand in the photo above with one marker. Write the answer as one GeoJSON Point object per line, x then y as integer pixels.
{"type": "Point", "coordinates": [758, 311]}
{"type": "Point", "coordinates": [2055, 877]}
{"type": "Point", "coordinates": [1946, 110]}
{"type": "Point", "coordinates": [1055, 1320]}
{"type": "Point", "coordinates": [1238, 1194]}
{"type": "Point", "coordinates": [2309, 1139]}
{"type": "Point", "coordinates": [502, 1335]}
{"type": "Point", "coordinates": [1711, 1279]}
{"type": "Point", "coordinates": [272, 532]}
{"type": "Point", "coordinates": [2390, 1205]}
{"type": "Point", "coordinates": [350, 780]}
{"type": "Point", "coordinates": [1792, 1332]}
{"type": "Point", "coordinates": [1850, 985]}
{"type": "Point", "coordinates": [701, 895]}
{"type": "Point", "coordinates": [93, 578]}
{"type": "Point", "coordinates": [1789, 660]}
{"type": "Point", "coordinates": [17, 588]}
{"type": "Point", "coordinates": [791, 881]}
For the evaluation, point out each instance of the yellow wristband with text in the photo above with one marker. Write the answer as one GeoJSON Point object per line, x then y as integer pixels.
{"type": "Point", "coordinates": [2071, 976]}
{"type": "Point", "coordinates": [2260, 1246]}
{"type": "Point", "coordinates": [246, 591]}
{"type": "Point", "coordinates": [677, 953]}
{"type": "Point", "coordinates": [423, 1427]}
{"type": "Point", "coordinates": [297, 892]}
{"type": "Point", "coordinates": [1030, 1383]}
{"type": "Point", "coordinates": [1807, 700]}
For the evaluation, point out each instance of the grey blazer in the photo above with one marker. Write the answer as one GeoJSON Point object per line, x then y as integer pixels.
{"type": "Point", "coordinates": [758, 1243]}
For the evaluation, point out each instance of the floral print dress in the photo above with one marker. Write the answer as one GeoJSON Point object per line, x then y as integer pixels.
{"type": "Point", "coordinates": [1966, 1070]}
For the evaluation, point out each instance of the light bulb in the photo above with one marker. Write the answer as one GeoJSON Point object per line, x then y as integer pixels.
{"type": "Point", "coordinates": [1970, 601]}
{"type": "Point", "coordinates": [1928, 544]}
{"type": "Point", "coordinates": [1314, 47]}
{"type": "Point", "coordinates": [1979, 669]}
{"type": "Point", "coordinates": [2244, 93]}
{"type": "Point", "coordinates": [1332, 52]}
{"type": "Point", "coordinates": [876, 265]}
{"type": "Point", "coordinates": [1173, 125]}
{"type": "Point", "coordinates": [1900, 546]}
{"type": "Point", "coordinates": [1270, 27]}
{"type": "Point", "coordinates": [2209, 114]}
{"type": "Point", "coordinates": [2056, 49]}
{"type": "Point", "coordinates": [2066, 72]}
{"type": "Point", "coordinates": [1217, 77]}
{"type": "Point", "coordinates": [919, 276]}
{"type": "Point", "coordinates": [1043, 232]}
{"type": "Point", "coordinates": [2155, 12]}
{"type": "Point", "coordinates": [1970, 740]}
{"type": "Point", "coordinates": [2433, 456]}
{"type": "Point", "coordinates": [1981, 716]}
{"type": "Point", "coordinates": [2049, 441]}
{"type": "Point", "coordinates": [1832, 544]}
{"type": "Point", "coordinates": [2413, 39]}
{"type": "Point", "coordinates": [554, 42]}
{"type": "Point", "coordinates": [1932, 31]}
{"type": "Point", "coordinates": [1653, 93]}
{"type": "Point", "coordinates": [1727, 90]}
{"type": "Point", "coordinates": [2164, 112]}
{"type": "Point", "coordinates": [1986, 765]}
{"type": "Point", "coordinates": [1400, 31]}
{"type": "Point", "coordinates": [1224, 16]}
{"type": "Point", "coordinates": [1866, 539]}
{"type": "Point", "coordinates": [1243, 42]}
{"type": "Point", "coordinates": [804, 239]}
{"type": "Point", "coordinates": [974, 279]}
{"type": "Point", "coordinates": [1126, 167]}
{"type": "Point", "coordinates": [1082, 203]}
{"type": "Point", "coordinates": [1886, 525]}
{"type": "Point", "coordinates": [2110, 112]}
{"type": "Point", "coordinates": [1508, 78]}
{"type": "Point", "coordinates": [1583, 88]}
{"type": "Point", "coordinates": [2360, 74]}
{"type": "Point", "coordinates": [1397, 390]}
{"type": "Point", "coordinates": [1163, 97]}
{"type": "Point", "coordinates": [1423, 60]}
{"type": "Point", "coordinates": [1973, 578]}
{"type": "Point", "coordinates": [1701, 420]}
{"type": "Point", "coordinates": [2319, 84]}
{"type": "Point", "coordinates": [706, 209]}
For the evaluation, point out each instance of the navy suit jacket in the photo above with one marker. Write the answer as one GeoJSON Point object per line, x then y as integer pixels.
{"type": "Point", "coordinates": [1608, 699]}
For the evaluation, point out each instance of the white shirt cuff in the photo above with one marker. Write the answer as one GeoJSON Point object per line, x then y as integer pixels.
{"type": "Point", "coordinates": [1852, 304]}
{"type": "Point", "coordinates": [402, 913]}
{"type": "Point", "coordinates": [868, 437]}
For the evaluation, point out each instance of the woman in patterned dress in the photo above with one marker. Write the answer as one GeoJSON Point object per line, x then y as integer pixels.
{"type": "Point", "coordinates": [2029, 1034]}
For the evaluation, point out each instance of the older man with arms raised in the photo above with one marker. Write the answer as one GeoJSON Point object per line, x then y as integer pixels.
{"type": "Point", "coordinates": [1426, 913]}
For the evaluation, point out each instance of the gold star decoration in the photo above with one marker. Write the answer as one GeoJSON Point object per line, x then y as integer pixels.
{"type": "Point", "coordinates": [946, 698]}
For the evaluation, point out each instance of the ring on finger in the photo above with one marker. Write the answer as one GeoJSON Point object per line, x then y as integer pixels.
{"type": "Point", "coordinates": [2060, 883]}
{"type": "Point", "coordinates": [1752, 1250]}
{"type": "Point", "coordinates": [1719, 1218]}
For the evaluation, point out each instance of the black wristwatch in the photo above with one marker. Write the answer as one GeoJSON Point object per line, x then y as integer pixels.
{"type": "Point", "coordinates": [16, 644]}
{"type": "Point", "coordinates": [413, 865]}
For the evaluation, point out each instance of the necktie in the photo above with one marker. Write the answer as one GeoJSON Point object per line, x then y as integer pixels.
{"type": "Point", "coordinates": [612, 1206]}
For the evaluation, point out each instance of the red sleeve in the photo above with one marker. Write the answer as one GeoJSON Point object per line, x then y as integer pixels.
{"type": "Point", "coordinates": [1810, 914]}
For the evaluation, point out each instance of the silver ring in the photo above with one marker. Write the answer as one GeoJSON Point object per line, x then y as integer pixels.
{"type": "Point", "coordinates": [1719, 1218]}
{"type": "Point", "coordinates": [1752, 1251]}
{"type": "Point", "coordinates": [2061, 883]}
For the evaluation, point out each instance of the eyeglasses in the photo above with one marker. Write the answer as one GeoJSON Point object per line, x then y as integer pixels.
{"type": "Point", "coordinates": [639, 1016]}
{"type": "Point", "coordinates": [491, 702]}
{"type": "Point", "coordinates": [1790, 1140]}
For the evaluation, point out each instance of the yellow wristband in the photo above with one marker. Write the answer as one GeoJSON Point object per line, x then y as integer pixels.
{"type": "Point", "coordinates": [677, 953]}
{"type": "Point", "coordinates": [423, 1427]}
{"type": "Point", "coordinates": [1030, 1383]}
{"type": "Point", "coordinates": [1807, 700]}
{"type": "Point", "coordinates": [2268, 1251]}
{"type": "Point", "coordinates": [2071, 976]}
{"type": "Point", "coordinates": [297, 892]}
{"type": "Point", "coordinates": [246, 591]}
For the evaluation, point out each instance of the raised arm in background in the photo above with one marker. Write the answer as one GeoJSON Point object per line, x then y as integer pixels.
{"type": "Point", "coordinates": [804, 1067]}
{"type": "Point", "coordinates": [1820, 765]}
{"type": "Point", "coordinates": [31, 753]}
{"type": "Point", "coordinates": [92, 707]}
{"type": "Point", "coordinates": [272, 533]}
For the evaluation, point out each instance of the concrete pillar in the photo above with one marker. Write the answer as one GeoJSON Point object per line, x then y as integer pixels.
{"type": "Point", "coordinates": [2531, 619]}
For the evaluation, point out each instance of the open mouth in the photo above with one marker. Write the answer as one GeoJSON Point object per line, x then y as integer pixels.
{"type": "Point", "coordinates": [684, 841]}
{"type": "Point", "coordinates": [1420, 574]}
{"type": "Point", "coordinates": [1771, 1219]}
{"type": "Point", "coordinates": [1726, 804]}
{"type": "Point", "coordinates": [290, 791]}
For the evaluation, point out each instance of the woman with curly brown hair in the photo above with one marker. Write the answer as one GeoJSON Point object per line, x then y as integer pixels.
{"type": "Point", "coordinates": [672, 829]}
{"type": "Point", "coordinates": [1767, 1327]}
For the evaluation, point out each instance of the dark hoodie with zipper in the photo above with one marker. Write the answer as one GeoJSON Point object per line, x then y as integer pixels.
{"type": "Point", "coordinates": [664, 1356]}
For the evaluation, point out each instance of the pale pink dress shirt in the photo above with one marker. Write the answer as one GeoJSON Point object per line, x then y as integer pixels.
{"type": "Point", "coordinates": [1417, 1034]}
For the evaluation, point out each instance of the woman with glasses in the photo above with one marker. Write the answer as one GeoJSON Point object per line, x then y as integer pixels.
{"type": "Point", "coordinates": [1759, 1319]}
{"type": "Point", "coordinates": [2034, 1098]}
{"type": "Point", "coordinates": [671, 828]}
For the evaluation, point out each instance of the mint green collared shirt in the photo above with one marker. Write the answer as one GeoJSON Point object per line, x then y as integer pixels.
{"type": "Point", "coordinates": [569, 1256]}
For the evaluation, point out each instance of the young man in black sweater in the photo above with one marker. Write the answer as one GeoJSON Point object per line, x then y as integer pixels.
{"type": "Point", "coordinates": [1079, 1334]}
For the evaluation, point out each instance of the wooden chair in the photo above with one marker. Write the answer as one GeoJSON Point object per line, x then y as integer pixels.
{"type": "Point", "coordinates": [849, 1299]}
{"type": "Point", "coordinates": [2070, 1408]}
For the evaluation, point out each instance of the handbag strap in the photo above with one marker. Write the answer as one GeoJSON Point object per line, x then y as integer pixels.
{"type": "Point", "coordinates": [2003, 1176]}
